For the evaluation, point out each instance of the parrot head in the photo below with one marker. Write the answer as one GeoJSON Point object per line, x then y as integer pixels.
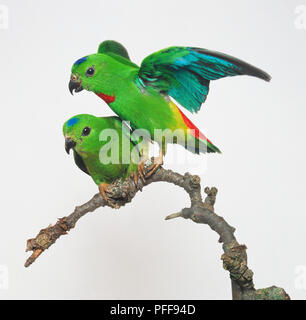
{"type": "Point", "coordinates": [101, 71]}
{"type": "Point", "coordinates": [86, 73]}
{"type": "Point", "coordinates": [81, 134]}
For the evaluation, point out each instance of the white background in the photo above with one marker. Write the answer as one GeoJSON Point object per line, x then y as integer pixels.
{"type": "Point", "coordinates": [132, 253]}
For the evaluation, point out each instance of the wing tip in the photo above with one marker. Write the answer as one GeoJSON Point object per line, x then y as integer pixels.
{"type": "Point", "coordinates": [247, 68]}
{"type": "Point", "coordinates": [268, 77]}
{"type": "Point", "coordinates": [258, 73]}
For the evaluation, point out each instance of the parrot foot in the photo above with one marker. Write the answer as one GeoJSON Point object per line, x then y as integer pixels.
{"type": "Point", "coordinates": [157, 163]}
{"type": "Point", "coordinates": [142, 171]}
{"type": "Point", "coordinates": [103, 189]}
{"type": "Point", "coordinates": [134, 176]}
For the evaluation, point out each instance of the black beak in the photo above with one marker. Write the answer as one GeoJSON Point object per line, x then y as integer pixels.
{"type": "Point", "coordinates": [69, 144]}
{"type": "Point", "coordinates": [75, 85]}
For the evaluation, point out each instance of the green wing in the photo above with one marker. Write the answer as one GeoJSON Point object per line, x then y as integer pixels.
{"type": "Point", "coordinates": [113, 47]}
{"type": "Point", "coordinates": [184, 73]}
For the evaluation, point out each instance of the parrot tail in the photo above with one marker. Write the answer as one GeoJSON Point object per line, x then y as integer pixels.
{"type": "Point", "coordinates": [203, 146]}
{"type": "Point", "coordinates": [196, 140]}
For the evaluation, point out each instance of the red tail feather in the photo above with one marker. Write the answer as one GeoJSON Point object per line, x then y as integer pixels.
{"type": "Point", "coordinates": [195, 131]}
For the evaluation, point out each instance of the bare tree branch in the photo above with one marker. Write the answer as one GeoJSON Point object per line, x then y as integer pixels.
{"type": "Point", "coordinates": [121, 192]}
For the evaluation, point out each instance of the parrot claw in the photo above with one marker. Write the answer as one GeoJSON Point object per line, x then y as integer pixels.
{"type": "Point", "coordinates": [141, 171]}
{"type": "Point", "coordinates": [103, 189]}
{"type": "Point", "coordinates": [134, 177]}
{"type": "Point", "coordinates": [157, 163]}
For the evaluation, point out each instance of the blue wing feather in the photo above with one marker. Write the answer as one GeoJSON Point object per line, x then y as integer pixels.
{"type": "Point", "coordinates": [190, 91]}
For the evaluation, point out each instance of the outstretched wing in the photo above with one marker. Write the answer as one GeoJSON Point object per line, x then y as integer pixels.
{"type": "Point", "coordinates": [184, 73]}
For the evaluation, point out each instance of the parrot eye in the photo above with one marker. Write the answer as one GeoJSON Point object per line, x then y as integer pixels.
{"type": "Point", "coordinates": [90, 71]}
{"type": "Point", "coordinates": [86, 131]}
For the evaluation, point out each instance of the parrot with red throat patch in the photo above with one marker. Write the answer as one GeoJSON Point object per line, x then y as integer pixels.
{"type": "Point", "coordinates": [141, 95]}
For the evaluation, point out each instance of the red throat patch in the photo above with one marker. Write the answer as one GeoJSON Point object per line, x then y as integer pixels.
{"type": "Point", "coordinates": [105, 97]}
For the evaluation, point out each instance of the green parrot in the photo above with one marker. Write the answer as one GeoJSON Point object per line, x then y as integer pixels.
{"type": "Point", "coordinates": [104, 159]}
{"type": "Point", "coordinates": [141, 95]}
